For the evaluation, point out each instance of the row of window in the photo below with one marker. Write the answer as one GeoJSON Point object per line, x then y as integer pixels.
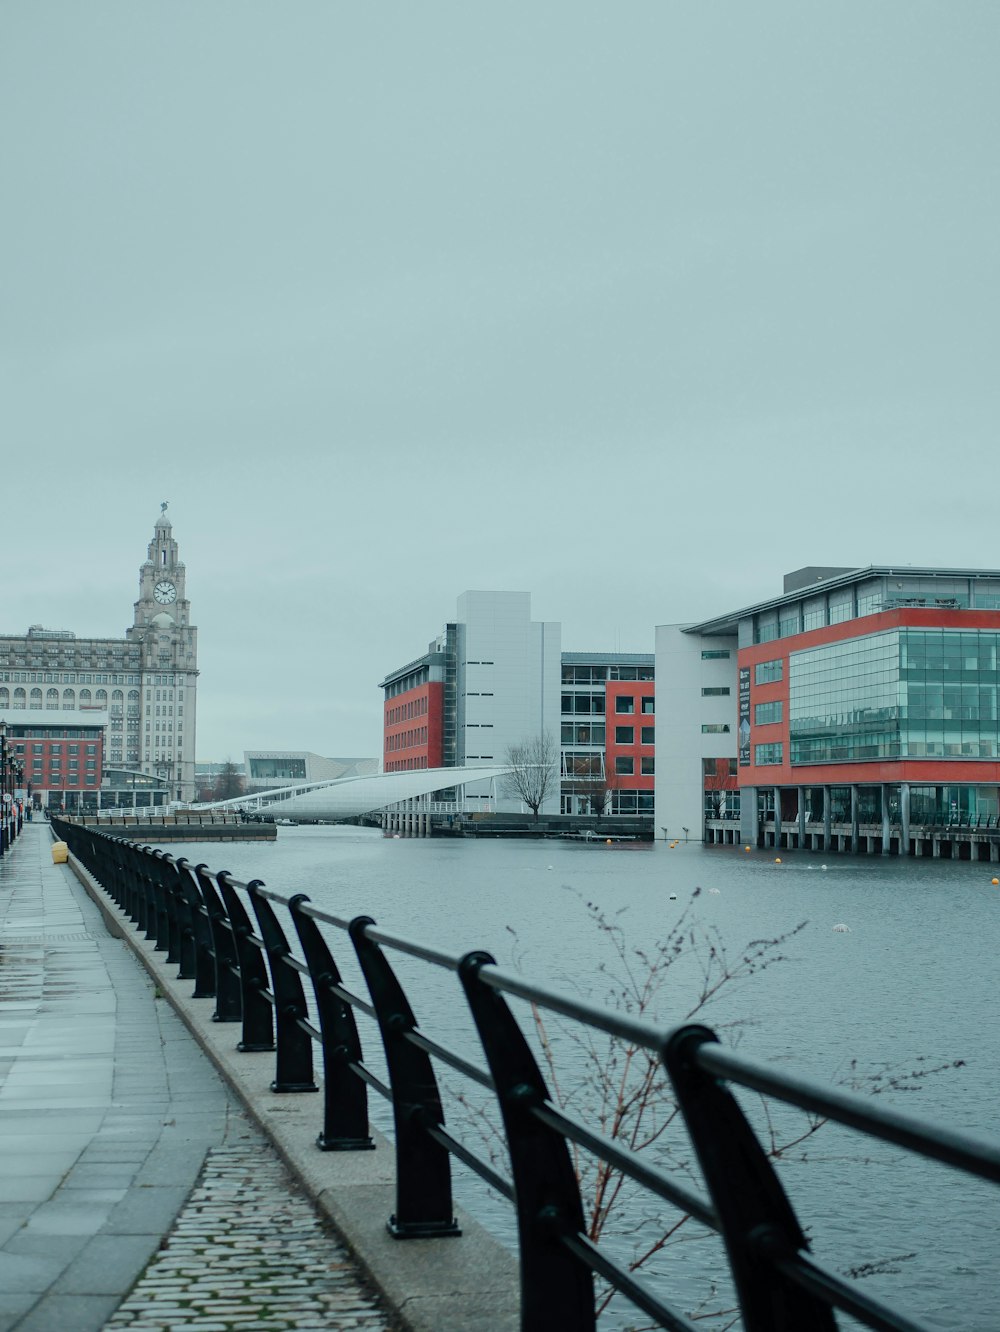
{"type": "Point", "coordinates": [625, 765]}
{"type": "Point", "coordinates": [596, 674]}
{"type": "Point", "coordinates": [767, 672]}
{"type": "Point", "coordinates": [763, 755]}
{"type": "Point", "coordinates": [594, 704]}
{"type": "Point", "coordinates": [416, 707]}
{"type": "Point", "coordinates": [417, 735]}
{"type": "Point", "coordinates": [68, 677]}
{"type": "Point", "coordinates": [625, 735]}
{"type": "Point", "coordinates": [765, 714]}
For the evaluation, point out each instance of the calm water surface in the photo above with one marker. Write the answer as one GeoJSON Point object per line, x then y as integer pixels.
{"type": "Point", "coordinates": [911, 985]}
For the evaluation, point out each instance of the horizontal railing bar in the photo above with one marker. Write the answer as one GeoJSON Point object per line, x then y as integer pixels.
{"type": "Point", "coordinates": [475, 1163]}
{"type": "Point", "coordinates": [975, 1156]}
{"type": "Point", "coordinates": [354, 1000]}
{"type": "Point", "coordinates": [296, 964]}
{"type": "Point", "coordinates": [834, 1290]}
{"type": "Point", "coordinates": [453, 1060]}
{"type": "Point", "coordinates": [623, 1280]}
{"type": "Point", "coordinates": [305, 1025]}
{"type": "Point", "coordinates": [317, 913]}
{"type": "Point", "coordinates": [426, 952]}
{"type": "Point", "coordinates": [628, 1029]}
{"type": "Point", "coordinates": [630, 1164]}
{"type": "Point", "coordinates": [367, 1076]}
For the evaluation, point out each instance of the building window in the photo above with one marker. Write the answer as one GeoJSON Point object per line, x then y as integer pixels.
{"type": "Point", "coordinates": [649, 705]}
{"type": "Point", "coordinates": [647, 735]}
{"type": "Point", "coordinates": [625, 766]}
{"type": "Point", "coordinates": [715, 691]}
{"type": "Point", "coordinates": [715, 728]}
{"type": "Point", "coordinates": [647, 766]}
{"type": "Point", "coordinates": [715, 654]}
{"type": "Point", "coordinates": [625, 703]}
{"type": "Point", "coordinates": [766, 672]}
{"type": "Point", "coordinates": [624, 735]}
{"type": "Point", "coordinates": [764, 755]}
{"type": "Point", "coordinates": [765, 713]}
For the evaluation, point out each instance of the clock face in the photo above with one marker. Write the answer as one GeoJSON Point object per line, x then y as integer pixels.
{"type": "Point", "coordinates": [164, 592]}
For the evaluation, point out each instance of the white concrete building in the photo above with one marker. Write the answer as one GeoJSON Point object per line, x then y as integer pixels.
{"type": "Point", "coordinates": [696, 729]}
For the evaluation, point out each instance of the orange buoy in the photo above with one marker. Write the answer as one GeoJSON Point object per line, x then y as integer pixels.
{"type": "Point", "coordinates": [994, 881]}
{"type": "Point", "coordinates": [777, 860]}
{"type": "Point", "coordinates": [746, 848]}
{"type": "Point", "coordinates": [608, 842]}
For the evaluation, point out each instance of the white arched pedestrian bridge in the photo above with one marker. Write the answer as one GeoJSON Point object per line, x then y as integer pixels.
{"type": "Point", "coordinates": [349, 797]}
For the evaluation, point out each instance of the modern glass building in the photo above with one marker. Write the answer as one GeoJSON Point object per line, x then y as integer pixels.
{"type": "Point", "coordinates": [865, 698]}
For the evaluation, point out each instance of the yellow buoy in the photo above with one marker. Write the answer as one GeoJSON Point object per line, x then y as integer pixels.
{"type": "Point", "coordinates": [777, 860]}
{"type": "Point", "coordinates": [746, 848]}
{"type": "Point", "coordinates": [994, 880]}
{"type": "Point", "coordinates": [608, 842]}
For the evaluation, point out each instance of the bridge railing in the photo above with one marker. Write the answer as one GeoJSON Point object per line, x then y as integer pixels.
{"type": "Point", "coordinates": [229, 938]}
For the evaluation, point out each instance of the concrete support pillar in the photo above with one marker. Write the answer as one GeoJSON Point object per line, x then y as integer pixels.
{"type": "Point", "coordinates": [994, 850]}
{"type": "Point", "coordinates": [826, 818]}
{"type": "Point", "coordinates": [855, 817]}
{"type": "Point", "coordinates": [918, 847]}
{"type": "Point", "coordinates": [904, 818]}
{"type": "Point", "coordinates": [936, 847]}
{"type": "Point", "coordinates": [802, 817]}
{"type": "Point", "coordinates": [777, 816]}
{"type": "Point", "coordinates": [748, 815]}
{"type": "Point", "coordinates": [886, 829]}
{"type": "Point", "coordinates": [973, 849]}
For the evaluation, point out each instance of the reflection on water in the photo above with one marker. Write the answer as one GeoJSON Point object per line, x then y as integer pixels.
{"type": "Point", "coordinates": [910, 984]}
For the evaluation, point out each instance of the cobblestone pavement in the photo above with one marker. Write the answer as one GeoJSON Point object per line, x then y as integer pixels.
{"type": "Point", "coordinates": [249, 1251]}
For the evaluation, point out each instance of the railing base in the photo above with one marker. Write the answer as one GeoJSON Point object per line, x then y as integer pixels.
{"type": "Point", "coordinates": [402, 1230]}
{"type": "Point", "coordinates": [252, 1048]}
{"type": "Point", "coordinates": [345, 1144]}
{"type": "Point", "coordinates": [294, 1087]}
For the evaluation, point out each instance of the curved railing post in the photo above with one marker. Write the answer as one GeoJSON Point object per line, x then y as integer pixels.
{"type": "Point", "coordinates": [161, 905]}
{"type": "Point", "coordinates": [228, 1002]}
{"type": "Point", "coordinates": [203, 973]}
{"type": "Point", "coordinates": [423, 1169]}
{"type": "Point", "coordinates": [294, 1055]}
{"type": "Point", "coordinates": [258, 1024]}
{"type": "Point", "coordinates": [345, 1096]}
{"type": "Point", "coordinates": [756, 1219]}
{"type": "Point", "coordinates": [557, 1290]}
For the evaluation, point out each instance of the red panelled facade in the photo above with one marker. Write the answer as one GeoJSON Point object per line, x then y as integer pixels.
{"type": "Point", "coordinates": [412, 728]}
{"type": "Point", "coordinates": [936, 770]}
{"type": "Point", "coordinates": [629, 744]}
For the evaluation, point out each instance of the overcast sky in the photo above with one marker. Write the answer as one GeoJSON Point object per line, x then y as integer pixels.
{"type": "Point", "coordinates": [632, 306]}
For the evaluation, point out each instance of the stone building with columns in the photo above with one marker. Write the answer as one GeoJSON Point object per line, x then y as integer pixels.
{"type": "Point", "coordinates": [141, 688]}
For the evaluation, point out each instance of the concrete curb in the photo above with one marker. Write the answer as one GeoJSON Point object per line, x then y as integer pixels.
{"type": "Point", "coordinates": [465, 1284]}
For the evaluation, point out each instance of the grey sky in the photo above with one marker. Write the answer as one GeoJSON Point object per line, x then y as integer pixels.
{"type": "Point", "coordinates": [632, 306]}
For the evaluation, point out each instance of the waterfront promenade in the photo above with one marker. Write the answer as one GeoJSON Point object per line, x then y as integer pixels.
{"type": "Point", "coordinates": [114, 1125]}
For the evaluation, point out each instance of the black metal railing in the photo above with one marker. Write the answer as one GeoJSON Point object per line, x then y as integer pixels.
{"type": "Point", "coordinates": [11, 824]}
{"type": "Point", "coordinates": [228, 938]}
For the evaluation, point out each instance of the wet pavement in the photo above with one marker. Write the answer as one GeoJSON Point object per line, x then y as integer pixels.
{"type": "Point", "coordinates": [108, 1109]}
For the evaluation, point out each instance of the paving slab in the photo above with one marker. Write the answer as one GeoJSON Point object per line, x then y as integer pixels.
{"type": "Point", "coordinates": [95, 1082]}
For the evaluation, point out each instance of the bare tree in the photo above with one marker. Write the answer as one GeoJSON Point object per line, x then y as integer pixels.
{"type": "Point", "coordinates": [534, 770]}
{"type": "Point", "coordinates": [229, 783]}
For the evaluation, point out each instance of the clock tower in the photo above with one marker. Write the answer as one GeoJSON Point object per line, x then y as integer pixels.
{"type": "Point", "coordinates": [169, 655]}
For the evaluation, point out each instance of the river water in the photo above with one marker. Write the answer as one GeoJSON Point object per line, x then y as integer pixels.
{"type": "Point", "coordinates": [909, 986]}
